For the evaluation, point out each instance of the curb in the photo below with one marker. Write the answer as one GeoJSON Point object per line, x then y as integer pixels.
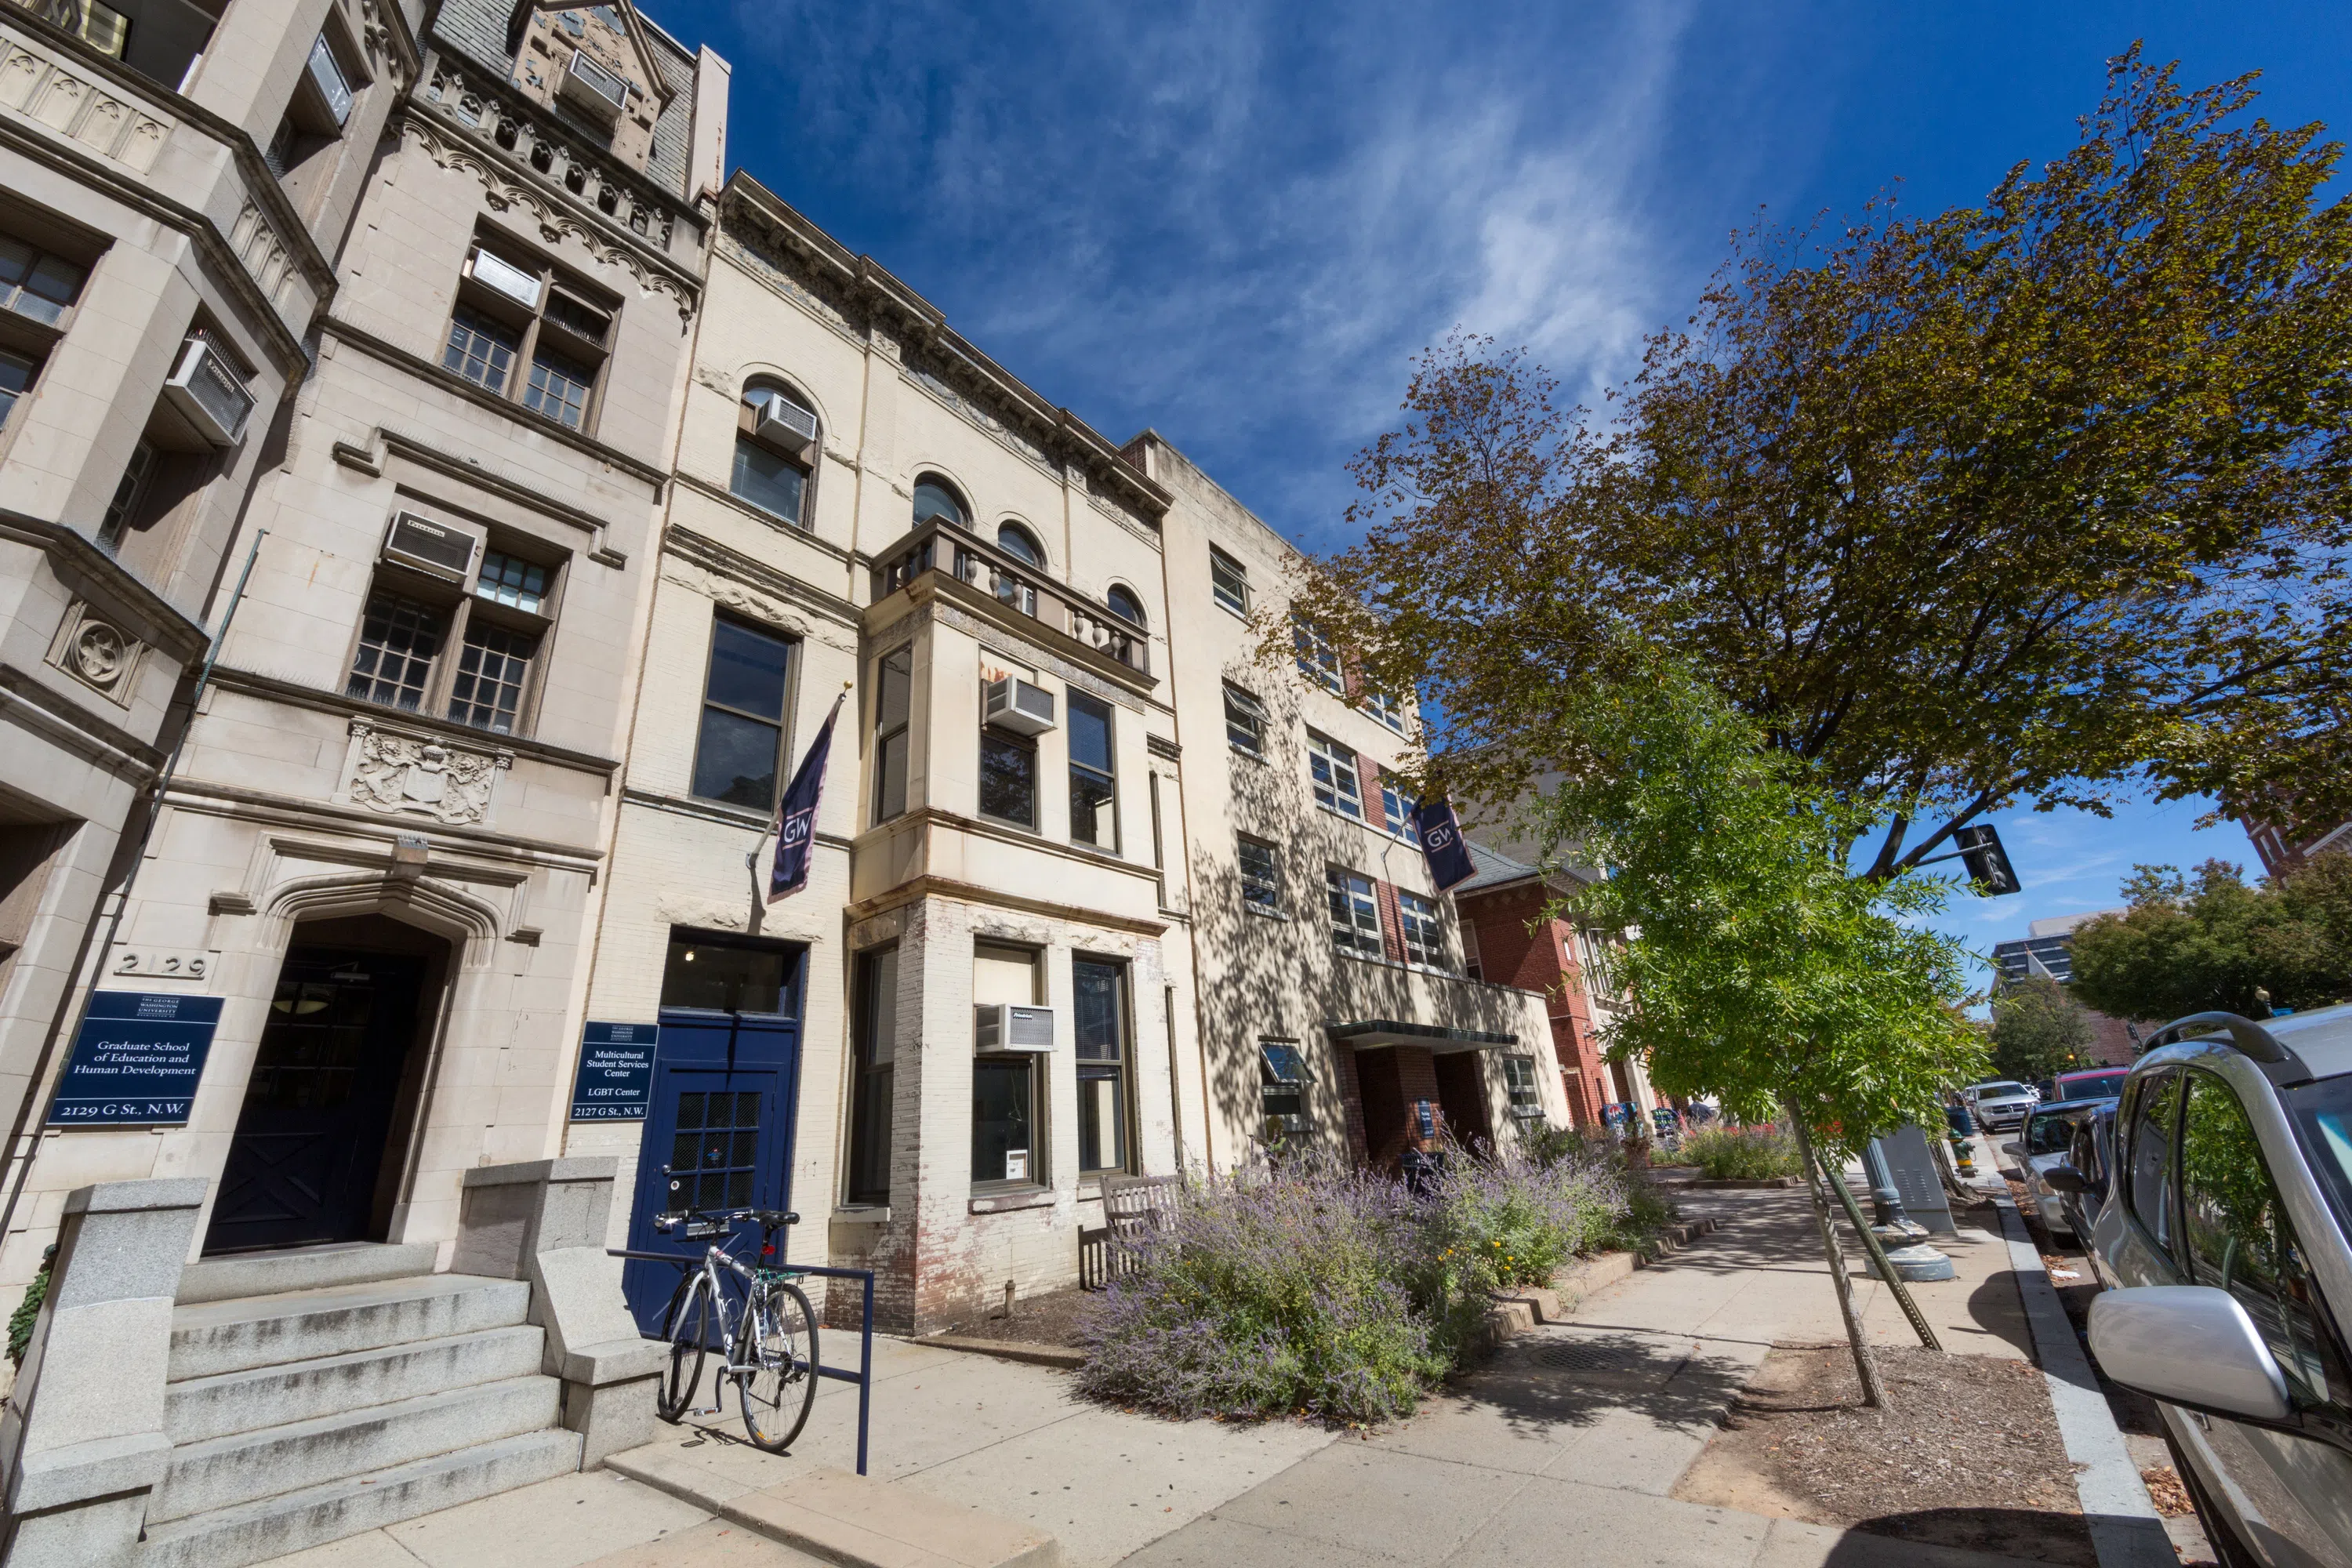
{"type": "Point", "coordinates": [2125, 1530]}
{"type": "Point", "coordinates": [1007, 1350]}
{"type": "Point", "coordinates": [1515, 1311]}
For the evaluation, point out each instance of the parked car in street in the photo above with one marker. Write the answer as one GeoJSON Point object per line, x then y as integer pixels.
{"type": "Point", "coordinates": [2091, 1083]}
{"type": "Point", "coordinates": [2092, 1156]}
{"type": "Point", "coordinates": [2045, 1141]}
{"type": "Point", "coordinates": [2001, 1104]}
{"type": "Point", "coordinates": [2225, 1241]}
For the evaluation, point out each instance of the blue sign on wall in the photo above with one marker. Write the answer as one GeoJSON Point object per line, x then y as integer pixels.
{"type": "Point", "coordinates": [136, 1061]}
{"type": "Point", "coordinates": [616, 1072]}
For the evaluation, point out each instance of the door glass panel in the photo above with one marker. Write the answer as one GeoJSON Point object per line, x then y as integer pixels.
{"type": "Point", "coordinates": [724, 977]}
{"type": "Point", "coordinates": [714, 1153]}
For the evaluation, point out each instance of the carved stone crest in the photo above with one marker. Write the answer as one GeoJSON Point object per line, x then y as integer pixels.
{"type": "Point", "coordinates": [95, 652]}
{"type": "Point", "coordinates": [395, 773]}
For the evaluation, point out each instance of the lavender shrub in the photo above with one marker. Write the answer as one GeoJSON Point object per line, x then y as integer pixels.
{"type": "Point", "coordinates": [1305, 1288]}
{"type": "Point", "coordinates": [1317, 1289]}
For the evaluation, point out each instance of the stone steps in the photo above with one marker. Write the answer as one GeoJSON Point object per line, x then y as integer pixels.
{"type": "Point", "coordinates": [199, 1408]}
{"type": "Point", "coordinates": [218, 1337]}
{"type": "Point", "coordinates": [291, 1521]}
{"type": "Point", "coordinates": [248, 1467]}
{"type": "Point", "coordinates": [242, 1275]}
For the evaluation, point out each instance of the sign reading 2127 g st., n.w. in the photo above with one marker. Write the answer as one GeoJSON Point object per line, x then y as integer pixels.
{"type": "Point", "coordinates": [616, 1072]}
{"type": "Point", "coordinates": [136, 1061]}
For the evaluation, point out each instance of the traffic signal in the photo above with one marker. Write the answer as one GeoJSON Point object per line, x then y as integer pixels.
{"type": "Point", "coordinates": [1987, 862]}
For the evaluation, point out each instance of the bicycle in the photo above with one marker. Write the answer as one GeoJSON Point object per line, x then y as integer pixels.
{"type": "Point", "coordinates": [760, 1339]}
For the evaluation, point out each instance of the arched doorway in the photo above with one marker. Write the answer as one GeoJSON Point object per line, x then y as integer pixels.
{"type": "Point", "coordinates": [322, 1136]}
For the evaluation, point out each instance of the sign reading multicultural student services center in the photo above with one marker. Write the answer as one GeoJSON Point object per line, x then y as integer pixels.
{"type": "Point", "coordinates": [136, 1061]}
{"type": "Point", "coordinates": [616, 1072]}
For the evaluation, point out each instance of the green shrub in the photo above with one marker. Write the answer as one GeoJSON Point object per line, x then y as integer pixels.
{"type": "Point", "coordinates": [1514, 1219]}
{"type": "Point", "coordinates": [1742, 1154]}
{"type": "Point", "coordinates": [28, 1311]}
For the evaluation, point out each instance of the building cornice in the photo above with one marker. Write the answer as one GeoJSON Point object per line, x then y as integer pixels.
{"type": "Point", "coordinates": [916, 319]}
{"type": "Point", "coordinates": [929, 887]}
{"type": "Point", "coordinates": [712, 556]}
{"type": "Point", "coordinates": [276, 688]}
{"type": "Point", "coordinates": [101, 579]}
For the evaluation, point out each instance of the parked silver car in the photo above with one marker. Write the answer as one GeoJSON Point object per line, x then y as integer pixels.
{"type": "Point", "coordinates": [2225, 1239]}
{"type": "Point", "coordinates": [2045, 1143]}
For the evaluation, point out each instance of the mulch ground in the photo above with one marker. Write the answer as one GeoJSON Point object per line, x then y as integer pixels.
{"type": "Point", "coordinates": [1047, 1320]}
{"type": "Point", "coordinates": [1965, 1453]}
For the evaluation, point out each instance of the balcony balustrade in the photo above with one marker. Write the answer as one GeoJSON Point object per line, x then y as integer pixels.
{"type": "Point", "coordinates": [940, 546]}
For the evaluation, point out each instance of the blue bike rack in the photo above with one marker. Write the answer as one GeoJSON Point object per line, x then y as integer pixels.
{"type": "Point", "coordinates": [863, 1377]}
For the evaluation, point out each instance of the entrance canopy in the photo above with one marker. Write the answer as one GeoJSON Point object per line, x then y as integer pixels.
{"type": "Point", "coordinates": [1369, 1033]}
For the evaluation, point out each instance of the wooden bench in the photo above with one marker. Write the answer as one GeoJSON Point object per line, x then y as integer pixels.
{"type": "Point", "coordinates": [1133, 1208]}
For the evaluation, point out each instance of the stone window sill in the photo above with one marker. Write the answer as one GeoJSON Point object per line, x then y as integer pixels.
{"type": "Point", "coordinates": [1263, 912]}
{"type": "Point", "coordinates": [862, 1213]}
{"type": "Point", "coordinates": [1007, 1199]}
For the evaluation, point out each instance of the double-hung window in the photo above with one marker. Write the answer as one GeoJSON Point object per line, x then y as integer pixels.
{"type": "Point", "coordinates": [742, 732]}
{"type": "Point", "coordinates": [775, 453]}
{"type": "Point", "coordinates": [1099, 1007]}
{"type": "Point", "coordinates": [1520, 1079]}
{"type": "Point", "coordinates": [514, 312]}
{"type": "Point", "coordinates": [1229, 582]}
{"type": "Point", "coordinates": [1388, 709]}
{"type": "Point", "coordinates": [39, 289]}
{"type": "Point", "coordinates": [1008, 778]}
{"type": "Point", "coordinates": [1261, 873]}
{"type": "Point", "coordinates": [1332, 769]}
{"type": "Point", "coordinates": [467, 649]}
{"type": "Point", "coordinates": [893, 693]}
{"type": "Point", "coordinates": [1317, 660]}
{"type": "Point", "coordinates": [1244, 722]}
{"type": "Point", "coordinates": [1282, 1085]}
{"type": "Point", "coordinates": [873, 1037]}
{"type": "Point", "coordinates": [1006, 1144]}
{"type": "Point", "coordinates": [1355, 912]}
{"type": "Point", "coordinates": [1094, 795]}
{"type": "Point", "coordinates": [1397, 808]}
{"type": "Point", "coordinates": [1423, 930]}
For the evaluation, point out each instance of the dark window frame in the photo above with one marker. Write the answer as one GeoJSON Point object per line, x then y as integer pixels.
{"type": "Point", "coordinates": [746, 414]}
{"type": "Point", "coordinates": [469, 618]}
{"type": "Point", "coordinates": [566, 304]}
{"type": "Point", "coordinates": [873, 1077]}
{"type": "Point", "coordinates": [782, 722]}
{"type": "Point", "coordinates": [1019, 746]}
{"type": "Point", "coordinates": [885, 732]}
{"type": "Point", "coordinates": [1088, 774]}
{"type": "Point", "coordinates": [1118, 1070]}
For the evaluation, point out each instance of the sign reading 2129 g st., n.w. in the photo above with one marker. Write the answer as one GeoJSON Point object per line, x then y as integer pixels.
{"type": "Point", "coordinates": [136, 1061]}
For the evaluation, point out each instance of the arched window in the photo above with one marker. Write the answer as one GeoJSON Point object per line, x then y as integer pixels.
{"type": "Point", "coordinates": [1125, 605]}
{"type": "Point", "coordinates": [1020, 543]}
{"type": "Point", "coordinates": [934, 498]}
{"type": "Point", "coordinates": [775, 452]}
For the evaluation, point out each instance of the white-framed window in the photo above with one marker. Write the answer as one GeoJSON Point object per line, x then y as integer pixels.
{"type": "Point", "coordinates": [1229, 582]}
{"type": "Point", "coordinates": [1519, 1078]}
{"type": "Point", "coordinates": [513, 312]}
{"type": "Point", "coordinates": [1423, 929]}
{"type": "Point", "coordinates": [1260, 872]}
{"type": "Point", "coordinates": [1388, 709]}
{"type": "Point", "coordinates": [1317, 660]}
{"type": "Point", "coordinates": [1355, 912]}
{"type": "Point", "coordinates": [1282, 1084]}
{"type": "Point", "coordinates": [1397, 808]}
{"type": "Point", "coordinates": [1332, 768]}
{"type": "Point", "coordinates": [1245, 724]}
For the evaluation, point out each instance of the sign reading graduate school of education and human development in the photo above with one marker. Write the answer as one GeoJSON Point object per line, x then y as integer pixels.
{"type": "Point", "coordinates": [616, 1072]}
{"type": "Point", "coordinates": [136, 1061]}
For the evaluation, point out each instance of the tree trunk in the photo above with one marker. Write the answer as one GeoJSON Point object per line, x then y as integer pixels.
{"type": "Point", "coordinates": [1872, 1394]}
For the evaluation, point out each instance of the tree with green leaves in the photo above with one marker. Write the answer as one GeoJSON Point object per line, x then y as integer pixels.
{"type": "Point", "coordinates": [2042, 499]}
{"type": "Point", "coordinates": [2211, 943]}
{"type": "Point", "coordinates": [2039, 1031]}
{"type": "Point", "coordinates": [1762, 973]}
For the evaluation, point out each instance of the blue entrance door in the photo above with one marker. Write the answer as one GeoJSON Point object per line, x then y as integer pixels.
{"type": "Point", "coordinates": [719, 1135]}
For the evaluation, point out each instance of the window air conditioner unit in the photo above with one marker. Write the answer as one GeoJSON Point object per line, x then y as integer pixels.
{"type": "Point", "coordinates": [1009, 1026]}
{"type": "Point", "coordinates": [503, 278]}
{"type": "Point", "coordinates": [592, 89]}
{"type": "Point", "coordinates": [788, 427]}
{"type": "Point", "coordinates": [1015, 704]}
{"type": "Point", "coordinates": [210, 394]}
{"type": "Point", "coordinates": [442, 549]}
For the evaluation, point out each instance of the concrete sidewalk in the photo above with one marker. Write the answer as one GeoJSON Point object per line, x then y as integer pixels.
{"type": "Point", "coordinates": [1566, 1443]}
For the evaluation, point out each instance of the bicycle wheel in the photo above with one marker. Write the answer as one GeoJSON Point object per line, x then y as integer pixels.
{"type": "Point", "coordinates": [690, 1325]}
{"type": "Point", "coordinates": [775, 1371]}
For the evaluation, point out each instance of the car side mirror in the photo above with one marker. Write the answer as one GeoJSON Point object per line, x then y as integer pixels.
{"type": "Point", "coordinates": [2065, 1179]}
{"type": "Point", "coordinates": [2190, 1345]}
{"type": "Point", "coordinates": [2013, 1147]}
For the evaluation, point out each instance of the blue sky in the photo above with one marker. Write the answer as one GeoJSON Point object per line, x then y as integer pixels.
{"type": "Point", "coordinates": [1237, 222]}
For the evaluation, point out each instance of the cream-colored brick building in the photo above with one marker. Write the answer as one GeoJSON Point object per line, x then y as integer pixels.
{"type": "Point", "coordinates": [382, 852]}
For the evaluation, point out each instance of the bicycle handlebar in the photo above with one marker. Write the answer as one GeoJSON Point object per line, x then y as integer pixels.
{"type": "Point", "coordinates": [767, 1219]}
